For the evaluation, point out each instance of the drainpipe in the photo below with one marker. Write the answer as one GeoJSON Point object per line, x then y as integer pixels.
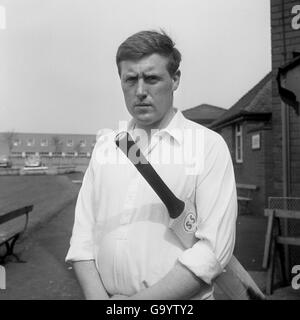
{"type": "Point", "coordinates": [285, 116]}
{"type": "Point", "coordinates": [286, 169]}
{"type": "Point", "coordinates": [285, 129]}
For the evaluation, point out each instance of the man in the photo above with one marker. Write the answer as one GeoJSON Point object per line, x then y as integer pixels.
{"type": "Point", "coordinates": [122, 246]}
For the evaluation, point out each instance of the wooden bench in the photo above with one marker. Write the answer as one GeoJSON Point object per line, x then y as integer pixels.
{"type": "Point", "coordinates": [10, 231]}
{"type": "Point", "coordinates": [244, 196]}
{"type": "Point", "coordinates": [274, 244]}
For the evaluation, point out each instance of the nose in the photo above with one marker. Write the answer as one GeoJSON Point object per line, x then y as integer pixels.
{"type": "Point", "coordinates": [141, 91]}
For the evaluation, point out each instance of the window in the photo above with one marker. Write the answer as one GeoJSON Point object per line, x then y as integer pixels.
{"type": "Point", "coordinates": [69, 143]}
{"type": "Point", "coordinates": [30, 142]}
{"type": "Point", "coordinates": [44, 143]}
{"type": "Point", "coordinates": [16, 142]}
{"type": "Point", "coordinates": [238, 143]}
{"type": "Point", "coordinates": [82, 143]}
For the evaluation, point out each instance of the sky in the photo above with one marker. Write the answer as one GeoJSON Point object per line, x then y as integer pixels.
{"type": "Point", "coordinates": [57, 57]}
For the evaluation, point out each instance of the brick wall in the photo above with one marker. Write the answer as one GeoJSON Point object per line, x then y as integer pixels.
{"type": "Point", "coordinates": [256, 167]}
{"type": "Point", "coordinates": [285, 40]}
{"type": "Point", "coordinates": [228, 134]}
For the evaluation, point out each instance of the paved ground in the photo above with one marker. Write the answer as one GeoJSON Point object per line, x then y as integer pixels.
{"type": "Point", "coordinates": [45, 275]}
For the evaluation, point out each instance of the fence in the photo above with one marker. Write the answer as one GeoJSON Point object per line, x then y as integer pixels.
{"type": "Point", "coordinates": [290, 227]}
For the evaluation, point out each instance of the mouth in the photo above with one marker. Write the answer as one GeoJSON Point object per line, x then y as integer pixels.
{"type": "Point", "coordinates": [142, 105]}
{"type": "Point", "coordinates": [142, 108]}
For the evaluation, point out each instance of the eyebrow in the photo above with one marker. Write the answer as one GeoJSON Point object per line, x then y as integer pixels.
{"type": "Point", "coordinates": [150, 69]}
{"type": "Point", "coordinates": [144, 73]}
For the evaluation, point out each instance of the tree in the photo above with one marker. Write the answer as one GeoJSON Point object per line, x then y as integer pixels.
{"type": "Point", "coordinates": [77, 148]}
{"type": "Point", "coordinates": [9, 137]}
{"type": "Point", "coordinates": [57, 143]}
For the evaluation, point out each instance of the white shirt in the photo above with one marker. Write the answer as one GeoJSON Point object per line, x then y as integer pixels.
{"type": "Point", "coordinates": [122, 224]}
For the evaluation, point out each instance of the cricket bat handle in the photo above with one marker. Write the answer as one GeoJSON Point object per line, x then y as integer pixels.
{"type": "Point", "coordinates": [183, 217]}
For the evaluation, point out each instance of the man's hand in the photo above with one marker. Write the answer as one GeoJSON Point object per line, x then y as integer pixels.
{"type": "Point", "coordinates": [89, 280]}
{"type": "Point", "coordinates": [179, 284]}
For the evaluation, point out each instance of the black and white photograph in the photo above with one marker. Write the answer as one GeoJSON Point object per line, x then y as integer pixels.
{"type": "Point", "coordinates": [150, 150]}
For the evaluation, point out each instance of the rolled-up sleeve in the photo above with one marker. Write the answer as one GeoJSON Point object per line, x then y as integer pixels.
{"type": "Point", "coordinates": [216, 205]}
{"type": "Point", "coordinates": [81, 243]}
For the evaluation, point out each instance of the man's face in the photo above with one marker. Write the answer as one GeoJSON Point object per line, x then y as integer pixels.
{"type": "Point", "coordinates": [148, 89]}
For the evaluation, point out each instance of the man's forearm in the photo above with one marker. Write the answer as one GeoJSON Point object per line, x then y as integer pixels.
{"type": "Point", "coordinates": [89, 280]}
{"type": "Point", "coordinates": [179, 284]}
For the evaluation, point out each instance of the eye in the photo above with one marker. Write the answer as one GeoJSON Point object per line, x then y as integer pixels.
{"type": "Point", "coordinates": [151, 79]}
{"type": "Point", "coordinates": [130, 79]}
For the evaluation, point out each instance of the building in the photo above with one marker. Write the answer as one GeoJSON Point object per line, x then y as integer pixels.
{"type": "Point", "coordinates": [285, 29]}
{"type": "Point", "coordinates": [246, 127]}
{"type": "Point", "coordinates": [52, 148]}
{"type": "Point", "coordinates": [44, 142]}
{"type": "Point", "coordinates": [263, 128]}
{"type": "Point", "coordinates": [285, 22]}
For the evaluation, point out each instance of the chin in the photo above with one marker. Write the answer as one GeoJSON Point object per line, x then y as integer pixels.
{"type": "Point", "coordinates": [144, 118]}
{"type": "Point", "coordinates": [144, 122]}
{"type": "Point", "coordinates": [150, 123]}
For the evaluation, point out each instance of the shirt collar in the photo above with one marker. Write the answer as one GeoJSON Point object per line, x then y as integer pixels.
{"type": "Point", "coordinates": [174, 128]}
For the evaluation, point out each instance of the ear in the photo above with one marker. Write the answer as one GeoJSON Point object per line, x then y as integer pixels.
{"type": "Point", "coordinates": [176, 79]}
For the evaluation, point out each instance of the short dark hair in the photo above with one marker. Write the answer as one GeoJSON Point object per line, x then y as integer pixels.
{"type": "Point", "coordinates": [145, 43]}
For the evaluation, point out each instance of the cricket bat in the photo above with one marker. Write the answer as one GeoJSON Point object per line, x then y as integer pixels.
{"type": "Point", "coordinates": [235, 281]}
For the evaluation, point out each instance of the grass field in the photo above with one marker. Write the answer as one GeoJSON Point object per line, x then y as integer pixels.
{"type": "Point", "coordinates": [48, 194]}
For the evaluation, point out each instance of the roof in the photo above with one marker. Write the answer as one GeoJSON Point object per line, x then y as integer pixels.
{"type": "Point", "coordinates": [257, 101]}
{"type": "Point", "coordinates": [204, 113]}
